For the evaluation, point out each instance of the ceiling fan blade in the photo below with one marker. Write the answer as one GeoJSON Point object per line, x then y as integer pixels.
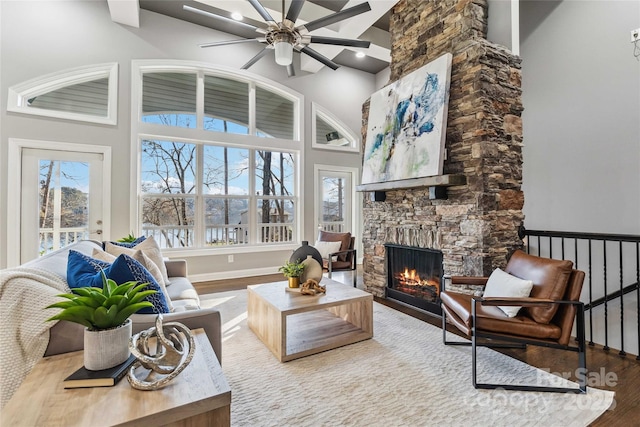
{"type": "Point", "coordinates": [219, 17]}
{"type": "Point", "coordinates": [294, 10]}
{"type": "Point", "coordinates": [291, 72]}
{"type": "Point", "coordinates": [339, 42]}
{"type": "Point", "coordinates": [226, 42]}
{"type": "Point", "coordinates": [319, 57]}
{"type": "Point", "coordinates": [255, 59]}
{"type": "Point", "coordinates": [261, 10]}
{"type": "Point", "coordinates": [337, 17]}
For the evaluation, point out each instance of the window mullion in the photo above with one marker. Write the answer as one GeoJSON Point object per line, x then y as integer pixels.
{"type": "Point", "coordinates": [253, 201]}
{"type": "Point", "coordinates": [252, 109]}
{"type": "Point", "coordinates": [199, 226]}
{"type": "Point", "coordinates": [200, 100]}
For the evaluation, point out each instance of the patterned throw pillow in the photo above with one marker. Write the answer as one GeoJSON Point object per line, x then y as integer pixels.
{"type": "Point", "coordinates": [83, 271]}
{"type": "Point", "coordinates": [139, 256]}
{"type": "Point", "coordinates": [114, 250]}
{"type": "Point", "coordinates": [130, 244]}
{"type": "Point", "coordinates": [151, 249]}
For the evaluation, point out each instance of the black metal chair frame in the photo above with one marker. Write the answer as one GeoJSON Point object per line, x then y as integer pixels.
{"type": "Point", "coordinates": [580, 348]}
{"type": "Point", "coordinates": [352, 268]}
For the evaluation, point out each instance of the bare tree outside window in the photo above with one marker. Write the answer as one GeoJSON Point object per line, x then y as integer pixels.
{"type": "Point", "coordinates": [169, 168]}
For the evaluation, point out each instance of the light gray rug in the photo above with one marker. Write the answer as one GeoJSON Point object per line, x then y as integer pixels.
{"type": "Point", "coordinates": [403, 376]}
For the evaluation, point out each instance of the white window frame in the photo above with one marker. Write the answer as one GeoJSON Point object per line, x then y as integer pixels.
{"type": "Point", "coordinates": [141, 130]}
{"type": "Point", "coordinates": [18, 95]}
{"type": "Point", "coordinates": [319, 111]}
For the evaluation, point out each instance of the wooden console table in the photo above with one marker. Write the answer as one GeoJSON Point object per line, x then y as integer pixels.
{"type": "Point", "coordinates": [199, 396]}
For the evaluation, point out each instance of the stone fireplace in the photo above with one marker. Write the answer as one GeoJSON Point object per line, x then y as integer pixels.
{"type": "Point", "coordinates": [475, 227]}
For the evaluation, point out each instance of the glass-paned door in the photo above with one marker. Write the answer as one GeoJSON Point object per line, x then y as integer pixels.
{"type": "Point", "coordinates": [61, 200]}
{"type": "Point", "coordinates": [334, 204]}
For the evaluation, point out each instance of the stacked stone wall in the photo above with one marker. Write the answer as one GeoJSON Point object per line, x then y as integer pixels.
{"type": "Point", "coordinates": [476, 228]}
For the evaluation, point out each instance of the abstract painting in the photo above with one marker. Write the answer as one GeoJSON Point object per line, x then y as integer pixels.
{"type": "Point", "coordinates": [407, 124]}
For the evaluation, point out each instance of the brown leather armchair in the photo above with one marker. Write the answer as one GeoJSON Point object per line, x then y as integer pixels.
{"type": "Point", "coordinates": [546, 318]}
{"type": "Point", "coordinates": [346, 256]}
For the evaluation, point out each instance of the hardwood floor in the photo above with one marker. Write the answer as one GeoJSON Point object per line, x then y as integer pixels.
{"type": "Point", "coordinates": [619, 374]}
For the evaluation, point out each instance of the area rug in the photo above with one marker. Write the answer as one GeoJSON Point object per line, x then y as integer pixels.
{"type": "Point", "coordinates": [403, 376]}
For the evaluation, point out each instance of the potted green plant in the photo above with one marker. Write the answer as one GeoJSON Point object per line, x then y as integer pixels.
{"type": "Point", "coordinates": [292, 270]}
{"type": "Point", "coordinates": [105, 314]}
{"type": "Point", "coordinates": [128, 239]}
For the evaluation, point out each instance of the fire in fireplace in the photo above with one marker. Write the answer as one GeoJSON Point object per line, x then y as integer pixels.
{"type": "Point", "coordinates": [414, 276]}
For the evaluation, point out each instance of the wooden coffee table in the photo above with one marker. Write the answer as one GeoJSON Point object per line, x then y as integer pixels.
{"type": "Point", "coordinates": [199, 396]}
{"type": "Point", "coordinates": [293, 325]}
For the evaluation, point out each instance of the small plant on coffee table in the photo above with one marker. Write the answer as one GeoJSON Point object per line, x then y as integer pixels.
{"type": "Point", "coordinates": [292, 268]}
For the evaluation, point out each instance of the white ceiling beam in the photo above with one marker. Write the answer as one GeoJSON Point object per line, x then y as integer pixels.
{"type": "Point", "coordinates": [353, 28]}
{"type": "Point", "coordinates": [126, 12]}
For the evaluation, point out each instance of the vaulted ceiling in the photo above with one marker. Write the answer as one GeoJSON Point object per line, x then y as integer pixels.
{"type": "Point", "coordinates": [372, 26]}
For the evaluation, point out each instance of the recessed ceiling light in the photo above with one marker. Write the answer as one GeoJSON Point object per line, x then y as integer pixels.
{"type": "Point", "coordinates": [237, 16]}
{"type": "Point", "coordinates": [360, 55]}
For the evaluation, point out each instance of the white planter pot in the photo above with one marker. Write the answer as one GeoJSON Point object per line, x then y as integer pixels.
{"type": "Point", "coordinates": [108, 348]}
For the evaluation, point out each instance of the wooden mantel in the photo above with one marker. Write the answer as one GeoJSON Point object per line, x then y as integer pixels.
{"type": "Point", "coordinates": [429, 181]}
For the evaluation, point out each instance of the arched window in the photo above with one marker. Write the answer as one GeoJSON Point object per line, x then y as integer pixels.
{"type": "Point", "coordinates": [329, 133]}
{"type": "Point", "coordinates": [88, 94]}
{"type": "Point", "coordinates": [218, 156]}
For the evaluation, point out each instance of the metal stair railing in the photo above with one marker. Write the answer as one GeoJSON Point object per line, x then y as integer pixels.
{"type": "Point", "coordinates": [612, 265]}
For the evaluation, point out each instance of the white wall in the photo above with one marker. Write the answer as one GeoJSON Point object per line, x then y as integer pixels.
{"type": "Point", "coordinates": [499, 29]}
{"type": "Point", "coordinates": [581, 120]}
{"type": "Point", "coordinates": [41, 37]}
{"type": "Point", "coordinates": [581, 125]}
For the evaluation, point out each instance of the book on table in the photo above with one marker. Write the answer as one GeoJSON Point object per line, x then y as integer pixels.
{"type": "Point", "coordinates": [104, 378]}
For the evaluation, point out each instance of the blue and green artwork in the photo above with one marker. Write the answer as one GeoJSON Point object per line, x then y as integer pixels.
{"type": "Point", "coordinates": [406, 126]}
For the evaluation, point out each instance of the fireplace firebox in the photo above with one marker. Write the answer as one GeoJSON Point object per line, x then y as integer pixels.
{"type": "Point", "coordinates": [414, 276]}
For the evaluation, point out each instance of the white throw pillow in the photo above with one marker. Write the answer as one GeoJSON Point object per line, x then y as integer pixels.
{"type": "Point", "coordinates": [139, 256]}
{"type": "Point", "coordinates": [151, 249]}
{"type": "Point", "coordinates": [326, 248]}
{"type": "Point", "coordinates": [502, 284]}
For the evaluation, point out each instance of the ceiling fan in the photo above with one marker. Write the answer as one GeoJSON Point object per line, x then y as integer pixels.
{"type": "Point", "coordinates": [284, 37]}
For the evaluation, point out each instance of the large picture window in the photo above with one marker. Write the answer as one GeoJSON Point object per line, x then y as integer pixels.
{"type": "Point", "coordinates": [171, 199]}
{"type": "Point", "coordinates": [211, 180]}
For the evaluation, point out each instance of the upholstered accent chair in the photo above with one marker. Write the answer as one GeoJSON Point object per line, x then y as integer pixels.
{"type": "Point", "coordinates": [343, 259]}
{"type": "Point", "coordinates": [545, 319]}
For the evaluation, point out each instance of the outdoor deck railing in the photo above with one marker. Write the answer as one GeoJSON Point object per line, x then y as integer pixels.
{"type": "Point", "coordinates": [219, 235]}
{"type": "Point", "coordinates": [52, 239]}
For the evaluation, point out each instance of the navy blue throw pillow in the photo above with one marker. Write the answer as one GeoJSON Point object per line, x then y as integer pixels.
{"type": "Point", "coordinates": [128, 244]}
{"type": "Point", "coordinates": [83, 271]}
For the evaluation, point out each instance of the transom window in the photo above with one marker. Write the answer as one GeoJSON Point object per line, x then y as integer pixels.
{"type": "Point", "coordinates": [218, 160]}
{"type": "Point", "coordinates": [88, 94]}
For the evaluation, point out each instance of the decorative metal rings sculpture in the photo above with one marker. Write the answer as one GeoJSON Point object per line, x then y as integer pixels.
{"type": "Point", "coordinates": [174, 349]}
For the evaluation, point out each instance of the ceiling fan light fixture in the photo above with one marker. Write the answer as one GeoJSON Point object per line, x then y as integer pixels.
{"type": "Point", "coordinates": [284, 53]}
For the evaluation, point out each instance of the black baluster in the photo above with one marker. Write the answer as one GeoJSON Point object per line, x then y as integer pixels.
{"type": "Point", "coordinates": [550, 247]}
{"type": "Point", "coordinates": [562, 247]}
{"type": "Point", "coordinates": [590, 299]}
{"type": "Point", "coordinates": [622, 352]}
{"type": "Point", "coordinates": [538, 245]}
{"type": "Point", "coordinates": [606, 299]}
